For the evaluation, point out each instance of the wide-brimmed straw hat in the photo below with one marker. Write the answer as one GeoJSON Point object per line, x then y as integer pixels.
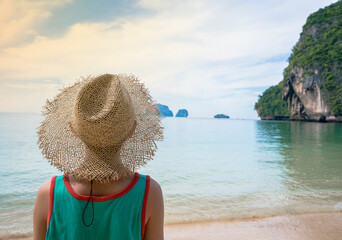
{"type": "Point", "coordinates": [101, 128]}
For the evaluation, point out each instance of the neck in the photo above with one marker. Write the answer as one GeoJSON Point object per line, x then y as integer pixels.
{"type": "Point", "coordinates": [82, 186]}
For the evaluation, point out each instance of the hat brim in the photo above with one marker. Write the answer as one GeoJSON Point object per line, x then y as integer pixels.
{"type": "Point", "coordinates": [67, 152]}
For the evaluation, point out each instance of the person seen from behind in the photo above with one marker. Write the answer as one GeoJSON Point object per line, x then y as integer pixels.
{"type": "Point", "coordinates": [98, 132]}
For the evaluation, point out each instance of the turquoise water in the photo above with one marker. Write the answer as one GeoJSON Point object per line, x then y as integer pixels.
{"type": "Point", "coordinates": [209, 169]}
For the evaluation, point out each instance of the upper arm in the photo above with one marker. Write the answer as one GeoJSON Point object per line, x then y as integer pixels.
{"type": "Point", "coordinates": [40, 212]}
{"type": "Point", "coordinates": [154, 228]}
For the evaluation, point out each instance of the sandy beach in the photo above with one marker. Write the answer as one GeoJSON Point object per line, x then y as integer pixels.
{"type": "Point", "coordinates": [311, 226]}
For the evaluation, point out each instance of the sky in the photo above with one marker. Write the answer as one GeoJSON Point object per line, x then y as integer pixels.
{"type": "Point", "coordinates": [208, 56]}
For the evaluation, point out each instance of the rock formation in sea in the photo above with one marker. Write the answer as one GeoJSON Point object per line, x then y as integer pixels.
{"type": "Point", "coordinates": [182, 113]}
{"type": "Point", "coordinates": [221, 116]}
{"type": "Point", "coordinates": [311, 89]}
{"type": "Point", "coordinates": [164, 110]}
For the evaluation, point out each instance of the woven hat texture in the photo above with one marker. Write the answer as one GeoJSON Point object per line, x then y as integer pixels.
{"type": "Point", "coordinates": [101, 128]}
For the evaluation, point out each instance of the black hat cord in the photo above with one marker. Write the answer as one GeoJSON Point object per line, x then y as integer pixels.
{"type": "Point", "coordinates": [92, 206]}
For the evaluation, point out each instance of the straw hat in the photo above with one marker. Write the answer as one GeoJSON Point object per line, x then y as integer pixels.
{"type": "Point", "coordinates": [101, 128]}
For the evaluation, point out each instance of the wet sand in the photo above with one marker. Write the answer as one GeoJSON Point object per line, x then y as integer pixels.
{"type": "Point", "coordinates": [311, 226]}
{"type": "Point", "coordinates": [314, 226]}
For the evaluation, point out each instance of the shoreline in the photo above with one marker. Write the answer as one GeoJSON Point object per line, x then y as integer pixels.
{"type": "Point", "coordinates": [305, 226]}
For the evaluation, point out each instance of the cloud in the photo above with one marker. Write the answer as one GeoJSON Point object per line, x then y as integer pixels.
{"type": "Point", "coordinates": [20, 18]}
{"type": "Point", "coordinates": [189, 53]}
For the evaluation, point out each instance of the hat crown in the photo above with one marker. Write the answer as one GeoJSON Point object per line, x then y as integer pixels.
{"type": "Point", "coordinates": [103, 113]}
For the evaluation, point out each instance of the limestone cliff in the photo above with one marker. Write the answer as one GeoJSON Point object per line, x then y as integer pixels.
{"type": "Point", "coordinates": [312, 84]}
{"type": "Point", "coordinates": [305, 98]}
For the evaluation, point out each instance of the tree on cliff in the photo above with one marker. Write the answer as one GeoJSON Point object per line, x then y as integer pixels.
{"type": "Point", "coordinates": [270, 103]}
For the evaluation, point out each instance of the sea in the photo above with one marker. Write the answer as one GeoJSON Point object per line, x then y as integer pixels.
{"type": "Point", "coordinates": [209, 169]}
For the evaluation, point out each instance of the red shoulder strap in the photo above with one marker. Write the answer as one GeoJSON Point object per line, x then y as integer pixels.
{"type": "Point", "coordinates": [147, 188]}
{"type": "Point", "coordinates": [52, 190]}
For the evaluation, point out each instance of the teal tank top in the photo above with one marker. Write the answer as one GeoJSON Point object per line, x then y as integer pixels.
{"type": "Point", "coordinates": [118, 216]}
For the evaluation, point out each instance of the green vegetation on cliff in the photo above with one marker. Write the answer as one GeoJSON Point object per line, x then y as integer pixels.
{"type": "Point", "coordinates": [332, 91]}
{"type": "Point", "coordinates": [318, 52]}
{"type": "Point", "coordinates": [320, 48]}
{"type": "Point", "coordinates": [270, 103]}
{"type": "Point", "coordinates": [320, 44]}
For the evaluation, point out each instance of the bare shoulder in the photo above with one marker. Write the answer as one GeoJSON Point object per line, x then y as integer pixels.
{"type": "Point", "coordinates": [155, 201]}
{"type": "Point", "coordinates": [41, 209]}
{"type": "Point", "coordinates": [44, 189]}
{"type": "Point", "coordinates": [155, 187]}
{"type": "Point", "coordinates": [155, 196]}
{"type": "Point", "coordinates": [42, 199]}
{"type": "Point", "coordinates": [155, 213]}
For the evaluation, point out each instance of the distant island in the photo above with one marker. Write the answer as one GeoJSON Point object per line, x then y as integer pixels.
{"type": "Point", "coordinates": [311, 89]}
{"type": "Point", "coordinates": [182, 113]}
{"type": "Point", "coordinates": [221, 116]}
{"type": "Point", "coordinates": [164, 110]}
